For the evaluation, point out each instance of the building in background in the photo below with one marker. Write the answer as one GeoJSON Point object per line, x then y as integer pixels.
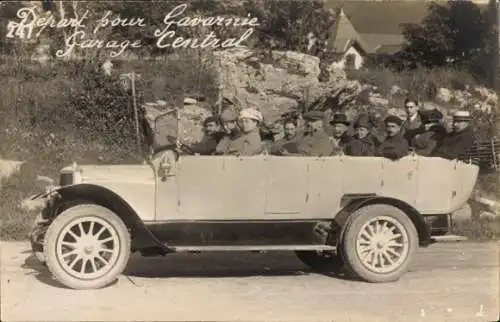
{"type": "Point", "coordinates": [366, 28]}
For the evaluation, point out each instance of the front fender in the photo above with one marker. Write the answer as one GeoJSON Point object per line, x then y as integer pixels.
{"type": "Point", "coordinates": [67, 196]}
{"type": "Point", "coordinates": [341, 220]}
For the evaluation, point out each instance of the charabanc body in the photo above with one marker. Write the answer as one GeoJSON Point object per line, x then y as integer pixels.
{"type": "Point", "coordinates": [364, 214]}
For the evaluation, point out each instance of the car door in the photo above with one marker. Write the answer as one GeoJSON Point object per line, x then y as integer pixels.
{"type": "Point", "coordinates": [243, 188]}
{"type": "Point", "coordinates": [286, 187]}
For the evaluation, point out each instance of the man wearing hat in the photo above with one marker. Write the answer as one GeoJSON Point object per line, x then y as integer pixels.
{"type": "Point", "coordinates": [315, 142]}
{"type": "Point", "coordinates": [459, 143]}
{"type": "Point", "coordinates": [425, 139]}
{"type": "Point", "coordinates": [363, 143]}
{"type": "Point", "coordinates": [211, 138]}
{"type": "Point", "coordinates": [394, 146]}
{"type": "Point", "coordinates": [340, 137]}
{"type": "Point", "coordinates": [248, 141]}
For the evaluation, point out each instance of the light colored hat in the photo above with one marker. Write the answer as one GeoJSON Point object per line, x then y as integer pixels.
{"type": "Point", "coordinates": [462, 116]}
{"type": "Point", "coordinates": [251, 113]}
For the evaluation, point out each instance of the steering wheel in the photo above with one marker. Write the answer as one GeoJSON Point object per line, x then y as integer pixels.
{"type": "Point", "coordinates": [185, 148]}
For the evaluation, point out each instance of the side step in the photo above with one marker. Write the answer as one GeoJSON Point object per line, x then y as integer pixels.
{"type": "Point", "coordinates": [449, 238]}
{"type": "Point", "coordinates": [257, 248]}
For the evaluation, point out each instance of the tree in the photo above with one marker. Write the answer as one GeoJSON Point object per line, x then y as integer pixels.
{"type": "Point", "coordinates": [286, 24]}
{"type": "Point", "coordinates": [454, 34]}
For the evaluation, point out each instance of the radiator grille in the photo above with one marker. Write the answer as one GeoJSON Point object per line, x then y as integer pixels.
{"type": "Point", "coordinates": [65, 179]}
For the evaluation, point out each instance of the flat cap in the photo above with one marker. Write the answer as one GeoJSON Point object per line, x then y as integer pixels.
{"type": "Point", "coordinates": [429, 116]}
{"type": "Point", "coordinates": [313, 116]}
{"type": "Point", "coordinates": [210, 119]}
{"type": "Point", "coordinates": [393, 119]}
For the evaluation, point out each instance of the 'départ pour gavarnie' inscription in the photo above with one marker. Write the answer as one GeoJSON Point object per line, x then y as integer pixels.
{"type": "Point", "coordinates": [80, 35]}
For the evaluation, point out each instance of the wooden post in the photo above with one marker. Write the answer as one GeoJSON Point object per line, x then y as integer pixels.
{"type": "Point", "coordinates": [136, 116]}
{"type": "Point", "coordinates": [494, 154]}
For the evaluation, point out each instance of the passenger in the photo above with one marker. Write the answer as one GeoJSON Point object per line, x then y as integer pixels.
{"type": "Point", "coordinates": [229, 118]}
{"type": "Point", "coordinates": [340, 137]}
{"type": "Point", "coordinates": [363, 143]}
{"type": "Point", "coordinates": [271, 133]}
{"type": "Point", "coordinates": [413, 121]}
{"type": "Point", "coordinates": [394, 146]}
{"type": "Point", "coordinates": [426, 138]}
{"type": "Point", "coordinates": [315, 142]}
{"type": "Point", "coordinates": [248, 141]}
{"type": "Point", "coordinates": [211, 138]}
{"type": "Point", "coordinates": [288, 144]}
{"type": "Point", "coordinates": [459, 143]}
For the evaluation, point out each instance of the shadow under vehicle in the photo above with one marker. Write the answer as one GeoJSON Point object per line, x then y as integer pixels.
{"type": "Point", "coordinates": [364, 215]}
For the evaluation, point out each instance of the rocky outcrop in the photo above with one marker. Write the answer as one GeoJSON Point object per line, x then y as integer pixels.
{"type": "Point", "coordinates": [276, 82]}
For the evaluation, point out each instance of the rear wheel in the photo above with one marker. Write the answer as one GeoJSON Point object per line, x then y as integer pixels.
{"type": "Point", "coordinates": [87, 246]}
{"type": "Point", "coordinates": [380, 243]}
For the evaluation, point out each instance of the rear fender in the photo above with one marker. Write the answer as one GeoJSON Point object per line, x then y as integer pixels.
{"type": "Point", "coordinates": [342, 218]}
{"type": "Point", "coordinates": [68, 196]}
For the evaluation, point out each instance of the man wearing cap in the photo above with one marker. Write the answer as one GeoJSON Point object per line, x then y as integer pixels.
{"type": "Point", "coordinates": [229, 118]}
{"type": "Point", "coordinates": [459, 143]}
{"type": "Point", "coordinates": [425, 139]}
{"type": "Point", "coordinates": [212, 136]}
{"type": "Point", "coordinates": [315, 142]}
{"type": "Point", "coordinates": [363, 143]}
{"type": "Point", "coordinates": [340, 137]}
{"type": "Point", "coordinates": [248, 141]}
{"type": "Point", "coordinates": [394, 146]}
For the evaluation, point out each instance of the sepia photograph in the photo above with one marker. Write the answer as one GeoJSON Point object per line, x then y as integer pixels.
{"type": "Point", "coordinates": [250, 160]}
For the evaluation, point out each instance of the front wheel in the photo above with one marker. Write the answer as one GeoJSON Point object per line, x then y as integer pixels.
{"type": "Point", "coordinates": [86, 247]}
{"type": "Point", "coordinates": [380, 243]}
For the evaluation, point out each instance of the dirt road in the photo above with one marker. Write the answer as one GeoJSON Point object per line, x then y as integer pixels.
{"type": "Point", "coordinates": [448, 282]}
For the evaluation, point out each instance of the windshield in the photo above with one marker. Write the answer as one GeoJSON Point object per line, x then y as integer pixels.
{"type": "Point", "coordinates": [160, 128]}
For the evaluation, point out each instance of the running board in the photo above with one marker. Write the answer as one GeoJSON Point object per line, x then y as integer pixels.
{"type": "Point", "coordinates": [225, 248]}
{"type": "Point", "coordinates": [448, 238]}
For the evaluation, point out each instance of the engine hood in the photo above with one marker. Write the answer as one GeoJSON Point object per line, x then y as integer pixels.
{"type": "Point", "coordinates": [142, 173]}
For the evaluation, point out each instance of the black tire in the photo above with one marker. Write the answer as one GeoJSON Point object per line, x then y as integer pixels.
{"type": "Point", "coordinates": [399, 222]}
{"type": "Point", "coordinates": [321, 261]}
{"type": "Point", "coordinates": [102, 254]}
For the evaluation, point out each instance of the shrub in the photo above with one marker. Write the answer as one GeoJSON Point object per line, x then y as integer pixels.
{"type": "Point", "coordinates": [70, 111]}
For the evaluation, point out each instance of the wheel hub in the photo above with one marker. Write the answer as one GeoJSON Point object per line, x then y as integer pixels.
{"type": "Point", "coordinates": [88, 249]}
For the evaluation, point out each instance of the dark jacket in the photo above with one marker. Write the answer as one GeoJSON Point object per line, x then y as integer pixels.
{"type": "Point", "coordinates": [340, 144]}
{"type": "Point", "coordinates": [456, 145]}
{"type": "Point", "coordinates": [393, 147]}
{"type": "Point", "coordinates": [244, 144]}
{"type": "Point", "coordinates": [425, 141]}
{"type": "Point", "coordinates": [208, 144]}
{"type": "Point", "coordinates": [290, 145]}
{"type": "Point", "coordinates": [315, 144]}
{"type": "Point", "coordinates": [361, 147]}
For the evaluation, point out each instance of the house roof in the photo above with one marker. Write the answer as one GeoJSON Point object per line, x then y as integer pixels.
{"type": "Point", "coordinates": [374, 17]}
{"type": "Point", "coordinates": [375, 25]}
{"type": "Point", "coordinates": [387, 49]}
{"type": "Point", "coordinates": [383, 17]}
